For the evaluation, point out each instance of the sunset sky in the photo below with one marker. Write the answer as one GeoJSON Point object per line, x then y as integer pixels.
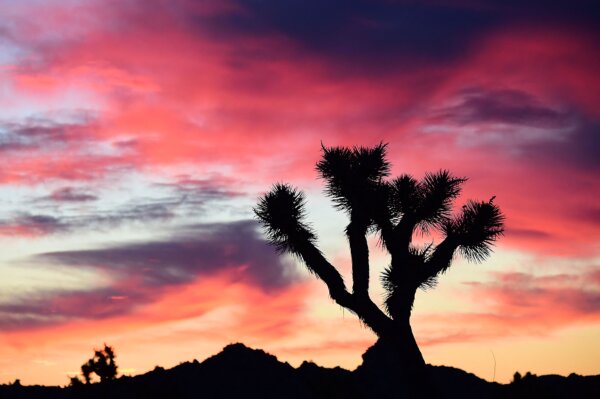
{"type": "Point", "coordinates": [137, 135]}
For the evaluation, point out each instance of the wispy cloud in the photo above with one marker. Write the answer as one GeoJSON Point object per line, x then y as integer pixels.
{"type": "Point", "coordinates": [510, 107]}
{"type": "Point", "coordinates": [72, 209]}
{"type": "Point", "coordinates": [139, 273]}
{"type": "Point", "coordinates": [30, 225]}
{"type": "Point", "coordinates": [69, 194]}
{"type": "Point", "coordinates": [519, 304]}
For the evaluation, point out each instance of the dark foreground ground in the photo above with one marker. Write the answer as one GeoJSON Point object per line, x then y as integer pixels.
{"type": "Point", "coordinates": [241, 372]}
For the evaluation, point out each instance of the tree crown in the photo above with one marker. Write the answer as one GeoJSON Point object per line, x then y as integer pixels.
{"type": "Point", "coordinates": [356, 180]}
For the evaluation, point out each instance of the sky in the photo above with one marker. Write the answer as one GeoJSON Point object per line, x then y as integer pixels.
{"type": "Point", "coordinates": [137, 135]}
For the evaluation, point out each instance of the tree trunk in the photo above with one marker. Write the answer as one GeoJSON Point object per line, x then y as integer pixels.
{"type": "Point", "coordinates": [394, 367]}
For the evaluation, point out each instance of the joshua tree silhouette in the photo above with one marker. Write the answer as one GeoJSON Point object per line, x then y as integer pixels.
{"type": "Point", "coordinates": [395, 209]}
{"type": "Point", "coordinates": [103, 364]}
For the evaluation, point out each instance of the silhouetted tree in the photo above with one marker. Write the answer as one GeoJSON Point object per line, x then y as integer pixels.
{"type": "Point", "coordinates": [355, 179]}
{"type": "Point", "coordinates": [102, 364]}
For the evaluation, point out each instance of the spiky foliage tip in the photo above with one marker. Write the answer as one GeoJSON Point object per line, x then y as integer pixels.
{"type": "Point", "coordinates": [438, 193]}
{"type": "Point", "coordinates": [281, 212]}
{"type": "Point", "coordinates": [405, 195]}
{"type": "Point", "coordinates": [476, 229]}
{"type": "Point", "coordinates": [428, 201]}
{"type": "Point", "coordinates": [352, 175]}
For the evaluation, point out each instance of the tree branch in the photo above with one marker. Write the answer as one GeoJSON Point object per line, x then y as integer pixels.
{"type": "Point", "coordinates": [402, 235]}
{"type": "Point", "coordinates": [316, 262]}
{"type": "Point", "coordinates": [439, 261]}
{"type": "Point", "coordinates": [362, 306]}
{"type": "Point", "coordinates": [359, 251]}
{"type": "Point", "coordinates": [371, 315]}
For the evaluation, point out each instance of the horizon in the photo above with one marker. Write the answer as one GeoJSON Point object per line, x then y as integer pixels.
{"type": "Point", "coordinates": [137, 137]}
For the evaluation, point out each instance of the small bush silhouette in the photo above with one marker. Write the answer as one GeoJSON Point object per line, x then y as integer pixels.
{"type": "Point", "coordinates": [516, 378]}
{"type": "Point", "coordinates": [102, 364]}
{"type": "Point", "coordinates": [75, 382]}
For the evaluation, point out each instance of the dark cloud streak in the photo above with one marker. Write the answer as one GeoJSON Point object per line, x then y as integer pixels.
{"type": "Point", "coordinates": [69, 194]}
{"type": "Point", "coordinates": [201, 249]}
{"type": "Point", "coordinates": [512, 107]}
{"type": "Point", "coordinates": [543, 133]}
{"type": "Point", "coordinates": [366, 36]}
{"type": "Point", "coordinates": [182, 198]}
{"type": "Point", "coordinates": [358, 31]}
{"type": "Point", "coordinates": [32, 225]}
{"type": "Point", "coordinates": [140, 271]}
{"type": "Point", "coordinates": [42, 133]}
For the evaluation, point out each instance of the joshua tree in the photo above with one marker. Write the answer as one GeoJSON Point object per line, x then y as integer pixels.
{"type": "Point", "coordinates": [395, 209]}
{"type": "Point", "coordinates": [103, 364]}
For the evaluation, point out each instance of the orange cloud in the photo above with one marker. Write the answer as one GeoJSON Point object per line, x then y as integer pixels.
{"type": "Point", "coordinates": [517, 305]}
{"type": "Point", "coordinates": [253, 316]}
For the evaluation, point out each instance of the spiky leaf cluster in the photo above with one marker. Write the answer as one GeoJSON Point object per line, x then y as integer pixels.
{"type": "Point", "coordinates": [438, 193]}
{"type": "Point", "coordinates": [281, 212]}
{"type": "Point", "coordinates": [353, 175]}
{"type": "Point", "coordinates": [476, 229]}
{"type": "Point", "coordinates": [428, 202]}
{"type": "Point", "coordinates": [404, 195]}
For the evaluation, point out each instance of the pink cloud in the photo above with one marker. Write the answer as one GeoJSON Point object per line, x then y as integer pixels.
{"type": "Point", "coordinates": [179, 96]}
{"type": "Point", "coordinates": [139, 273]}
{"type": "Point", "coordinates": [277, 318]}
{"type": "Point", "coordinates": [30, 226]}
{"type": "Point", "coordinates": [518, 304]}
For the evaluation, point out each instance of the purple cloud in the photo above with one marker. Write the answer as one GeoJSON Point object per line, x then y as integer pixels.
{"type": "Point", "coordinates": [26, 224]}
{"type": "Point", "coordinates": [511, 107]}
{"type": "Point", "coordinates": [69, 194]}
{"type": "Point", "coordinates": [524, 126]}
{"type": "Point", "coordinates": [138, 272]}
{"type": "Point", "coordinates": [41, 133]}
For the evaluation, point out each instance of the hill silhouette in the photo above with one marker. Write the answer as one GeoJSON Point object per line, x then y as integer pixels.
{"type": "Point", "coordinates": [241, 372]}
